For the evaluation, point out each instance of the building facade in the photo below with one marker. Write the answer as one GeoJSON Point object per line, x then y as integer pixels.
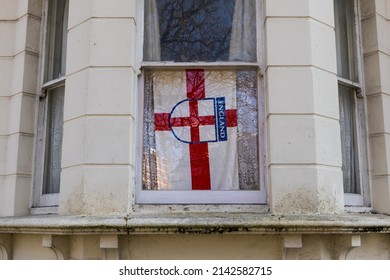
{"type": "Point", "coordinates": [157, 129]}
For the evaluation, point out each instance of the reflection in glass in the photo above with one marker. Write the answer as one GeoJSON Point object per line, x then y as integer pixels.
{"type": "Point", "coordinates": [200, 30]}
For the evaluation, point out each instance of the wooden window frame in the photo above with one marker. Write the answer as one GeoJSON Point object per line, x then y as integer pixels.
{"type": "Point", "coordinates": [362, 199]}
{"type": "Point", "coordinates": [42, 203]}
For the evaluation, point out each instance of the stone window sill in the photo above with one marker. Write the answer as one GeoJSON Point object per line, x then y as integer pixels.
{"type": "Point", "coordinates": [198, 223]}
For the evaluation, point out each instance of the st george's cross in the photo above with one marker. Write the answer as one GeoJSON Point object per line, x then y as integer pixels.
{"type": "Point", "coordinates": [195, 123]}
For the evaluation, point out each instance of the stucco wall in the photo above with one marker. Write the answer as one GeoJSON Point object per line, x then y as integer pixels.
{"type": "Point", "coordinates": [19, 50]}
{"type": "Point", "coordinates": [376, 43]}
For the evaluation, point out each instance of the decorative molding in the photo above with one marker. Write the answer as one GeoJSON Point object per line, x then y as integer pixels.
{"type": "Point", "coordinates": [160, 222]}
{"type": "Point", "coordinates": [49, 241]}
{"type": "Point", "coordinates": [290, 244]}
{"type": "Point", "coordinates": [110, 245]}
{"type": "Point", "coordinates": [109, 241]}
{"type": "Point", "coordinates": [3, 253]}
{"type": "Point", "coordinates": [353, 241]}
{"type": "Point", "coordinates": [5, 246]}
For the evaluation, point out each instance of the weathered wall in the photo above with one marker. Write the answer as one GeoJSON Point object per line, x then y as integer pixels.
{"type": "Point", "coordinates": [376, 45]}
{"type": "Point", "coordinates": [214, 246]}
{"type": "Point", "coordinates": [98, 143]}
{"type": "Point", "coordinates": [304, 158]}
{"type": "Point", "coordinates": [20, 22]}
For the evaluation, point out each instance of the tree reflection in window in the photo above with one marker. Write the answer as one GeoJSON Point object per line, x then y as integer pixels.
{"type": "Point", "coordinates": [195, 30]}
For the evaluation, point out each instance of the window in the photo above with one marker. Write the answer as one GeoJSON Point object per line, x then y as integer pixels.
{"type": "Point", "coordinates": [51, 105]}
{"type": "Point", "coordinates": [201, 117]}
{"type": "Point", "coordinates": [351, 103]}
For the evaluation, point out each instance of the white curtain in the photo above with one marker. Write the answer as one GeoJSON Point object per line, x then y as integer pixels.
{"type": "Point", "coordinates": [54, 135]}
{"type": "Point", "coordinates": [243, 38]}
{"type": "Point", "coordinates": [348, 141]}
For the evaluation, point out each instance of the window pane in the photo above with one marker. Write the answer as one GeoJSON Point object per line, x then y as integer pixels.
{"type": "Point", "coordinates": [55, 112]}
{"type": "Point", "coordinates": [350, 163]}
{"type": "Point", "coordinates": [346, 40]}
{"type": "Point", "coordinates": [200, 130]}
{"type": "Point", "coordinates": [56, 39]}
{"type": "Point", "coordinates": [200, 30]}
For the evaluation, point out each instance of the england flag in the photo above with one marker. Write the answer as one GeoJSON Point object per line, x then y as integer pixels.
{"type": "Point", "coordinates": [195, 122]}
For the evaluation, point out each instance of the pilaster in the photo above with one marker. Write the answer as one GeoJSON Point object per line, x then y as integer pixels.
{"type": "Point", "coordinates": [376, 48]}
{"type": "Point", "coordinates": [98, 150]}
{"type": "Point", "coordinates": [304, 156]}
{"type": "Point", "coordinates": [20, 22]}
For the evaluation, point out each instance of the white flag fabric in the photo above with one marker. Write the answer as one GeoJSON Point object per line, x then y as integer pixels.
{"type": "Point", "coordinates": [195, 119]}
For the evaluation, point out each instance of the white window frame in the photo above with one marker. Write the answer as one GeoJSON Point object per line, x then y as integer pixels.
{"type": "Point", "coordinates": [239, 197]}
{"type": "Point", "coordinates": [364, 198]}
{"type": "Point", "coordinates": [49, 202]}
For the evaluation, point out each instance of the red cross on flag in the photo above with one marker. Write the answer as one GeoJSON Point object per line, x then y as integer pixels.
{"type": "Point", "coordinates": [195, 121]}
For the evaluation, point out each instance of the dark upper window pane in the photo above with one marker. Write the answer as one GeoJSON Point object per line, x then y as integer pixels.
{"type": "Point", "coordinates": [57, 26]}
{"type": "Point", "coordinates": [346, 45]}
{"type": "Point", "coordinates": [200, 30]}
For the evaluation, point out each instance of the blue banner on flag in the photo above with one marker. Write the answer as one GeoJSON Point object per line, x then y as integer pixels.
{"type": "Point", "coordinates": [220, 109]}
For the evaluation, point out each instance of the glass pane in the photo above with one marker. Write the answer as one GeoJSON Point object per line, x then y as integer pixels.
{"type": "Point", "coordinates": [200, 30]}
{"type": "Point", "coordinates": [54, 127]}
{"type": "Point", "coordinates": [56, 40]}
{"type": "Point", "coordinates": [200, 130]}
{"type": "Point", "coordinates": [346, 44]}
{"type": "Point", "coordinates": [350, 163]}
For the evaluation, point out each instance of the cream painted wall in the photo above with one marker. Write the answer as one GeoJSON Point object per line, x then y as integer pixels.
{"type": "Point", "coordinates": [19, 51]}
{"type": "Point", "coordinates": [376, 45]}
{"type": "Point", "coordinates": [98, 143]}
{"type": "Point", "coordinates": [215, 246]}
{"type": "Point", "coordinates": [222, 247]}
{"type": "Point", "coordinates": [304, 158]}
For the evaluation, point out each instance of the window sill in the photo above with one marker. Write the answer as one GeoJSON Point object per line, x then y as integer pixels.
{"type": "Point", "coordinates": [209, 65]}
{"type": "Point", "coordinates": [44, 210]}
{"type": "Point", "coordinates": [198, 223]}
{"type": "Point", "coordinates": [358, 209]}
